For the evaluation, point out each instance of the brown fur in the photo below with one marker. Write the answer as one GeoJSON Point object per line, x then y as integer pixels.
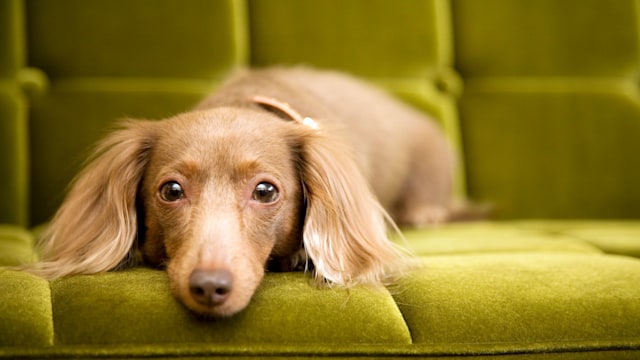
{"type": "Point", "coordinates": [367, 143]}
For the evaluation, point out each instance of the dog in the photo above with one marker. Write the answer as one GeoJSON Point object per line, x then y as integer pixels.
{"type": "Point", "coordinates": [281, 168]}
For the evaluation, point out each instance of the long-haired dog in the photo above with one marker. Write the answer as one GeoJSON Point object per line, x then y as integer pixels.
{"type": "Point", "coordinates": [288, 167]}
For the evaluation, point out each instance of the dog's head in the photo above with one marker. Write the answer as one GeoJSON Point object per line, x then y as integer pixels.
{"type": "Point", "coordinates": [221, 194]}
{"type": "Point", "coordinates": [213, 196]}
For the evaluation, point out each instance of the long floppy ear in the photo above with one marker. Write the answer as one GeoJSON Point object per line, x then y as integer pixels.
{"type": "Point", "coordinates": [345, 232]}
{"type": "Point", "coordinates": [96, 227]}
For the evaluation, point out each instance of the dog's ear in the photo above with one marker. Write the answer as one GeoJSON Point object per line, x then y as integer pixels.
{"type": "Point", "coordinates": [96, 227]}
{"type": "Point", "coordinates": [345, 232]}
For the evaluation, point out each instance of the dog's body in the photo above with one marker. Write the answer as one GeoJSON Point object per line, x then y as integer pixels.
{"type": "Point", "coordinates": [402, 154]}
{"type": "Point", "coordinates": [245, 178]}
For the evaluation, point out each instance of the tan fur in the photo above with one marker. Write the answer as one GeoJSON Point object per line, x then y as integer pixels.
{"type": "Point", "coordinates": [368, 153]}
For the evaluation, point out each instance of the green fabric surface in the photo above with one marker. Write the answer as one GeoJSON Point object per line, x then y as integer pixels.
{"type": "Point", "coordinates": [286, 310]}
{"type": "Point", "coordinates": [490, 237]}
{"type": "Point", "coordinates": [528, 300]}
{"type": "Point", "coordinates": [11, 38]}
{"type": "Point", "coordinates": [546, 37]}
{"type": "Point", "coordinates": [542, 152]}
{"type": "Point", "coordinates": [614, 237]}
{"type": "Point", "coordinates": [16, 246]}
{"type": "Point", "coordinates": [13, 122]}
{"type": "Point", "coordinates": [550, 109]}
{"type": "Point", "coordinates": [25, 310]}
{"type": "Point", "coordinates": [13, 155]}
{"type": "Point", "coordinates": [351, 35]}
{"type": "Point", "coordinates": [139, 39]}
{"type": "Point", "coordinates": [279, 352]}
{"type": "Point", "coordinates": [78, 112]}
{"type": "Point", "coordinates": [522, 289]}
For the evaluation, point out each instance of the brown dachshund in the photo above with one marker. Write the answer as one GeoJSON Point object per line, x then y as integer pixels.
{"type": "Point", "coordinates": [288, 167]}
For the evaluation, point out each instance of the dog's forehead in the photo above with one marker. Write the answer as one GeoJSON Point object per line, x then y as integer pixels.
{"type": "Point", "coordinates": [226, 139]}
{"type": "Point", "coordinates": [222, 126]}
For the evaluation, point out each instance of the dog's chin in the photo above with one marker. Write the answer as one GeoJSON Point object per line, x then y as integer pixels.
{"type": "Point", "coordinates": [229, 308]}
{"type": "Point", "coordinates": [215, 312]}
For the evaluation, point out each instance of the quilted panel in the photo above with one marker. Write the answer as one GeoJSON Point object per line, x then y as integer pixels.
{"type": "Point", "coordinates": [78, 112]}
{"type": "Point", "coordinates": [350, 35]}
{"type": "Point", "coordinates": [511, 288]}
{"type": "Point", "coordinates": [616, 238]}
{"type": "Point", "coordinates": [75, 38]}
{"type": "Point", "coordinates": [13, 123]}
{"type": "Point", "coordinates": [150, 61]}
{"type": "Point", "coordinates": [16, 246]}
{"type": "Point", "coordinates": [495, 237]}
{"type": "Point", "coordinates": [543, 154]}
{"type": "Point", "coordinates": [11, 38]}
{"type": "Point", "coordinates": [530, 302]}
{"type": "Point", "coordinates": [546, 37]}
{"type": "Point", "coordinates": [286, 309]}
{"type": "Point", "coordinates": [613, 237]}
{"type": "Point", "coordinates": [13, 155]}
{"type": "Point", "coordinates": [550, 112]}
{"type": "Point", "coordinates": [25, 311]}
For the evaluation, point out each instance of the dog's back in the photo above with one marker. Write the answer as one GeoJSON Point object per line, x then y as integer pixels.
{"type": "Point", "coordinates": [403, 154]}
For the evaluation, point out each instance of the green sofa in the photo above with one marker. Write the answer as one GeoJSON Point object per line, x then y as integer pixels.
{"type": "Point", "coordinates": [540, 97]}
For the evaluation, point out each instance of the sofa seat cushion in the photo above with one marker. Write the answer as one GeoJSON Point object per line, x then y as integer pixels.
{"type": "Point", "coordinates": [506, 303]}
{"type": "Point", "coordinates": [531, 288]}
{"type": "Point", "coordinates": [287, 309]}
{"type": "Point", "coordinates": [25, 311]}
{"type": "Point", "coordinates": [614, 236]}
{"type": "Point", "coordinates": [496, 237]}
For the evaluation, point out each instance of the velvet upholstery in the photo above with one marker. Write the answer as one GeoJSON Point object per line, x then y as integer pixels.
{"type": "Point", "coordinates": [552, 78]}
{"type": "Point", "coordinates": [539, 98]}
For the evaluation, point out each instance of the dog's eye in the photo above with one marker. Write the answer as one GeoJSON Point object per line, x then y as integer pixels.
{"type": "Point", "coordinates": [171, 191]}
{"type": "Point", "coordinates": [265, 193]}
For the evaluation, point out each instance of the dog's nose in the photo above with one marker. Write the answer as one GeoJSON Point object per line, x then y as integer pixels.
{"type": "Point", "coordinates": [210, 287]}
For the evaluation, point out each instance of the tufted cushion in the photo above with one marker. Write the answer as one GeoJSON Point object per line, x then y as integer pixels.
{"type": "Point", "coordinates": [544, 83]}
{"type": "Point", "coordinates": [484, 289]}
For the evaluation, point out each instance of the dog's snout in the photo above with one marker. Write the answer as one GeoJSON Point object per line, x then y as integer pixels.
{"type": "Point", "coordinates": [210, 287]}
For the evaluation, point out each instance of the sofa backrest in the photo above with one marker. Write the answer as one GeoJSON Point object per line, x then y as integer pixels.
{"type": "Point", "coordinates": [540, 97]}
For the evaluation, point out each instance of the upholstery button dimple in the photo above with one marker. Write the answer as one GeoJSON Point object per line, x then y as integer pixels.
{"type": "Point", "coordinates": [448, 82]}
{"type": "Point", "coordinates": [33, 82]}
